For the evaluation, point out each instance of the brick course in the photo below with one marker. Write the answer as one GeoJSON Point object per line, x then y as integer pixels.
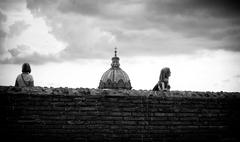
{"type": "Point", "coordinates": [82, 114]}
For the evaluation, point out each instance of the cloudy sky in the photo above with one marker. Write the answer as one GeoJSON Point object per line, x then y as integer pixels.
{"type": "Point", "coordinates": [70, 43]}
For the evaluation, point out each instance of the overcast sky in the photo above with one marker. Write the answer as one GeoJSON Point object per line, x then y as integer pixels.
{"type": "Point", "coordinates": [70, 43]}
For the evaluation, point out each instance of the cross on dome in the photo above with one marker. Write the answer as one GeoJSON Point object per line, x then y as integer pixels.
{"type": "Point", "coordinates": [115, 51]}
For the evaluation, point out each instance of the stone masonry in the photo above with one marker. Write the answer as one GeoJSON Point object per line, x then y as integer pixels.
{"type": "Point", "coordinates": [82, 114]}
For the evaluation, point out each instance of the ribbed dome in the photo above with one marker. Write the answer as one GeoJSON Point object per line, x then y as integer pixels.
{"type": "Point", "coordinates": [115, 77]}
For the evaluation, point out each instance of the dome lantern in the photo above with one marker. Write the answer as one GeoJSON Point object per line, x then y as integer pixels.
{"type": "Point", "coordinates": [115, 77]}
{"type": "Point", "coordinates": [115, 60]}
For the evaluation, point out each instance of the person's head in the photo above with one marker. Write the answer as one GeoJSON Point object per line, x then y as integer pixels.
{"type": "Point", "coordinates": [165, 73]}
{"type": "Point", "coordinates": [26, 68]}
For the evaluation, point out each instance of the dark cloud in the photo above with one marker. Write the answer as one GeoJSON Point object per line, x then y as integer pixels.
{"type": "Point", "coordinates": [3, 17]}
{"type": "Point", "coordinates": [195, 17]}
{"type": "Point", "coordinates": [17, 28]}
{"type": "Point", "coordinates": [19, 50]}
{"type": "Point", "coordinates": [23, 53]}
{"type": "Point", "coordinates": [106, 9]}
{"type": "Point", "coordinates": [86, 7]}
{"type": "Point", "coordinates": [3, 34]}
{"type": "Point", "coordinates": [216, 19]}
{"type": "Point", "coordinates": [2, 38]}
{"type": "Point", "coordinates": [221, 8]}
{"type": "Point", "coordinates": [188, 25]}
{"type": "Point", "coordinates": [40, 7]}
{"type": "Point", "coordinates": [11, 4]}
{"type": "Point", "coordinates": [237, 76]}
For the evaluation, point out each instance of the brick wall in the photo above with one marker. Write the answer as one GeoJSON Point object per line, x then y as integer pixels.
{"type": "Point", "coordinates": [66, 114]}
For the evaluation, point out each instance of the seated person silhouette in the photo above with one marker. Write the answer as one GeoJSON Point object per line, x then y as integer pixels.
{"type": "Point", "coordinates": [163, 83]}
{"type": "Point", "coordinates": [25, 79]}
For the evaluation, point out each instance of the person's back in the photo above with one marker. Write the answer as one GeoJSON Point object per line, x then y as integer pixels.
{"type": "Point", "coordinates": [25, 79]}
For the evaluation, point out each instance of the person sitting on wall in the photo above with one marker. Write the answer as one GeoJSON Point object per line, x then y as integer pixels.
{"type": "Point", "coordinates": [25, 79]}
{"type": "Point", "coordinates": [163, 83]}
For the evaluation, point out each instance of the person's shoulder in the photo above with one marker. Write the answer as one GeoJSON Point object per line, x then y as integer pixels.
{"type": "Point", "coordinates": [19, 76]}
{"type": "Point", "coordinates": [30, 76]}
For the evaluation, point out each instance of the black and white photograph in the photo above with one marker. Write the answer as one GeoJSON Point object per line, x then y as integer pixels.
{"type": "Point", "coordinates": [120, 70]}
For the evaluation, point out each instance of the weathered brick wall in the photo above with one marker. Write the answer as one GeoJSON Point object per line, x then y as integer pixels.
{"type": "Point", "coordinates": [67, 114]}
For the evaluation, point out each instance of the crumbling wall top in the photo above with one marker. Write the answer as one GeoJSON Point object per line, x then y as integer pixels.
{"type": "Point", "coordinates": [112, 92]}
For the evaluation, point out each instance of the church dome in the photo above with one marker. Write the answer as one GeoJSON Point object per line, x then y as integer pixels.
{"type": "Point", "coordinates": [115, 77]}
